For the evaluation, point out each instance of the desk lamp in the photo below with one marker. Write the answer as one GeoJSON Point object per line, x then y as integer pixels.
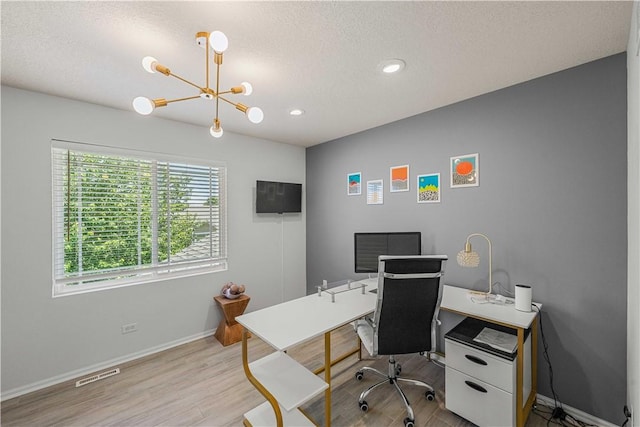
{"type": "Point", "coordinates": [469, 258]}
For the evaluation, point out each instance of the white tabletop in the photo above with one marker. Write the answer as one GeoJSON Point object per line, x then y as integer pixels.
{"type": "Point", "coordinates": [459, 300]}
{"type": "Point", "coordinates": [293, 322]}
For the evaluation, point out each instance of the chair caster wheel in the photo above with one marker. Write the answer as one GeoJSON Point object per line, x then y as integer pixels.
{"type": "Point", "coordinates": [408, 422]}
{"type": "Point", "coordinates": [363, 406]}
{"type": "Point", "coordinates": [359, 375]}
{"type": "Point", "coordinates": [430, 395]}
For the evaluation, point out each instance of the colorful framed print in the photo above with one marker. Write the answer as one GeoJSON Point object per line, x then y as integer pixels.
{"type": "Point", "coordinates": [399, 178]}
{"type": "Point", "coordinates": [354, 184]}
{"type": "Point", "coordinates": [429, 188]}
{"type": "Point", "coordinates": [465, 171]}
{"type": "Point", "coordinates": [375, 192]}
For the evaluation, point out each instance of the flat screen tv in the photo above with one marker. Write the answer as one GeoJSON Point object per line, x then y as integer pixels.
{"type": "Point", "coordinates": [368, 246]}
{"type": "Point", "coordinates": [278, 197]}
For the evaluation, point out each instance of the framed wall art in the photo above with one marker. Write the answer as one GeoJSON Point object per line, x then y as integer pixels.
{"type": "Point", "coordinates": [399, 178]}
{"type": "Point", "coordinates": [375, 192]}
{"type": "Point", "coordinates": [354, 184]}
{"type": "Point", "coordinates": [429, 188]}
{"type": "Point", "coordinates": [465, 171]}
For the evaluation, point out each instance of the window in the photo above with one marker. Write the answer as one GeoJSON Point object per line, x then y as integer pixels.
{"type": "Point", "coordinates": [123, 217]}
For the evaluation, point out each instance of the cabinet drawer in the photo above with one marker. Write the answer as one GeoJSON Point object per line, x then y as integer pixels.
{"type": "Point", "coordinates": [483, 366]}
{"type": "Point", "coordinates": [477, 401]}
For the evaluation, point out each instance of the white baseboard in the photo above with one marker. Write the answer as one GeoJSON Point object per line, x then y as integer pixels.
{"type": "Point", "coordinates": [575, 413]}
{"type": "Point", "coordinates": [10, 394]}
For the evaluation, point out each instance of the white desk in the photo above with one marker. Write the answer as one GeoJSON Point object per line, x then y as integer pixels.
{"type": "Point", "coordinates": [286, 325]}
{"type": "Point", "coordinates": [291, 323]}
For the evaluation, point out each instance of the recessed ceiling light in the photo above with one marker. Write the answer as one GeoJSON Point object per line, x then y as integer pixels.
{"type": "Point", "coordinates": [391, 66]}
{"type": "Point", "coordinates": [296, 112]}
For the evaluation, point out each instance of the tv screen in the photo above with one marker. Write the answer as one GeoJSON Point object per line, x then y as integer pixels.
{"type": "Point", "coordinates": [369, 246]}
{"type": "Point", "coordinates": [278, 197]}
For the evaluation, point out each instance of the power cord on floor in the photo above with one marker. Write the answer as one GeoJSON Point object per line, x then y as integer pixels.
{"type": "Point", "coordinates": [627, 415]}
{"type": "Point", "coordinates": [567, 421]}
{"type": "Point", "coordinates": [557, 415]}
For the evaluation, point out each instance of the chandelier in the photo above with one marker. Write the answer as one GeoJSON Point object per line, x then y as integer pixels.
{"type": "Point", "coordinates": [218, 42]}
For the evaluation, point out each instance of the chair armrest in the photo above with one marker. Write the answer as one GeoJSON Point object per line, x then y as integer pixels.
{"type": "Point", "coordinates": [362, 321]}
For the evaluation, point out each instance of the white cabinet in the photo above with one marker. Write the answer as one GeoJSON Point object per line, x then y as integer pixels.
{"type": "Point", "coordinates": [480, 386]}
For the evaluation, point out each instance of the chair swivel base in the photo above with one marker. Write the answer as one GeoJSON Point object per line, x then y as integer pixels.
{"type": "Point", "coordinates": [393, 378]}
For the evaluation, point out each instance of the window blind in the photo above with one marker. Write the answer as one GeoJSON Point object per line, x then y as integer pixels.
{"type": "Point", "coordinates": [124, 217]}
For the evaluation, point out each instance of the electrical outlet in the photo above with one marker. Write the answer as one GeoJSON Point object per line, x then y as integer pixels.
{"type": "Point", "coordinates": [131, 327]}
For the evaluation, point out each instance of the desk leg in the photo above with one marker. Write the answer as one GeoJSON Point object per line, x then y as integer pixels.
{"type": "Point", "coordinates": [520, 379]}
{"type": "Point", "coordinates": [531, 399]}
{"type": "Point", "coordinates": [327, 379]}
{"type": "Point", "coordinates": [253, 380]}
{"type": "Point", "coordinates": [534, 356]}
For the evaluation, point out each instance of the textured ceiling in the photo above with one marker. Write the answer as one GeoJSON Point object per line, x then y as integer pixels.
{"type": "Point", "coordinates": [320, 56]}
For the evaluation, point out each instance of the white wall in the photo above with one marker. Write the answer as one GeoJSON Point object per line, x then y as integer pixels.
{"type": "Point", "coordinates": [46, 340]}
{"type": "Point", "coordinates": [633, 207]}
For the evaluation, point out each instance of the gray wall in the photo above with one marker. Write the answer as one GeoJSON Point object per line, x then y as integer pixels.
{"type": "Point", "coordinates": [46, 340]}
{"type": "Point", "coordinates": [552, 198]}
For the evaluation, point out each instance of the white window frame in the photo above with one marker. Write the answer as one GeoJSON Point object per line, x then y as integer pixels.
{"type": "Point", "coordinates": [69, 284]}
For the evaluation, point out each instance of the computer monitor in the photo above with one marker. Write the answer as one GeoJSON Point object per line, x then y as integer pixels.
{"type": "Point", "coordinates": [369, 246]}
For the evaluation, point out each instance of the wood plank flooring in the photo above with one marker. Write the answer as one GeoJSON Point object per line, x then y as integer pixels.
{"type": "Point", "coordinates": [202, 383]}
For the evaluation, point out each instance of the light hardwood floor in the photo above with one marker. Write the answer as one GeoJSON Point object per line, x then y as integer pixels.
{"type": "Point", "coordinates": [202, 383]}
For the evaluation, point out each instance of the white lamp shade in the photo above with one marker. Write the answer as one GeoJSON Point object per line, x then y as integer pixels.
{"type": "Point", "coordinates": [218, 41]}
{"type": "Point", "coordinates": [149, 63]}
{"type": "Point", "coordinates": [247, 88]}
{"type": "Point", "coordinates": [216, 133]}
{"type": "Point", "coordinates": [143, 105]}
{"type": "Point", "coordinates": [255, 115]}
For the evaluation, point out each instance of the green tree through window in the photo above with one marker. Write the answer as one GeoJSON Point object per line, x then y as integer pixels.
{"type": "Point", "coordinates": [125, 218]}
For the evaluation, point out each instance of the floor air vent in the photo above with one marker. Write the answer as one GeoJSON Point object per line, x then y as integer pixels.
{"type": "Point", "coordinates": [97, 377]}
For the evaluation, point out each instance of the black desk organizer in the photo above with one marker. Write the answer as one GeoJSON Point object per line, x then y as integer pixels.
{"type": "Point", "coordinates": [465, 331]}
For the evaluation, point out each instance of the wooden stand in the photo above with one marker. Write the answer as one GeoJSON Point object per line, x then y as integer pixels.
{"type": "Point", "coordinates": [229, 331]}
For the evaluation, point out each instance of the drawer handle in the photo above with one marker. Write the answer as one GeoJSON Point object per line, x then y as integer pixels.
{"type": "Point", "coordinates": [475, 359]}
{"type": "Point", "coordinates": [476, 387]}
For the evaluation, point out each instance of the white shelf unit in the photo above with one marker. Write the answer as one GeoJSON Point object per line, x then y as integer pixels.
{"type": "Point", "coordinates": [290, 383]}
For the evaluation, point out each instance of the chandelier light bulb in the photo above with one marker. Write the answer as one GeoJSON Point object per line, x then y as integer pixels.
{"type": "Point", "coordinates": [255, 114]}
{"type": "Point", "coordinates": [218, 41]}
{"type": "Point", "coordinates": [216, 133]}
{"type": "Point", "coordinates": [247, 88]}
{"type": "Point", "coordinates": [149, 63]}
{"type": "Point", "coordinates": [143, 105]}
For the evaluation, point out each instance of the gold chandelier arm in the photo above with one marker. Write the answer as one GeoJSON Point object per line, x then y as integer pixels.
{"type": "Point", "coordinates": [226, 100]}
{"type": "Point", "coordinates": [183, 99]}
{"type": "Point", "coordinates": [217, 82]}
{"type": "Point", "coordinates": [187, 82]}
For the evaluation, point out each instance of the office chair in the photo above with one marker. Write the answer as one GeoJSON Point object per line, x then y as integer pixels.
{"type": "Point", "coordinates": [404, 320]}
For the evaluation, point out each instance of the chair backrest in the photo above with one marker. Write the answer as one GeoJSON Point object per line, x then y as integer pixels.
{"type": "Point", "coordinates": [409, 295]}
